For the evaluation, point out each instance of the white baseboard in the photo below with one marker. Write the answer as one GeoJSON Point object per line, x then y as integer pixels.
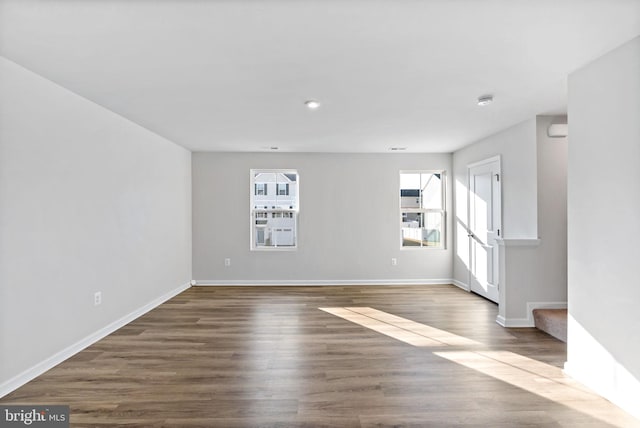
{"type": "Point", "coordinates": [35, 371]}
{"type": "Point", "coordinates": [461, 284]}
{"type": "Point", "coordinates": [256, 282]}
{"type": "Point", "coordinates": [513, 322]}
{"type": "Point", "coordinates": [528, 321]}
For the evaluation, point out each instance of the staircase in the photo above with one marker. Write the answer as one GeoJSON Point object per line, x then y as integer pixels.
{"type": "Point", "coordinates": [552, 321]}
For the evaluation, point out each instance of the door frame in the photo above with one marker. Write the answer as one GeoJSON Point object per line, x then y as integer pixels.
{"type": "Point", "coordinates": [494, 159]}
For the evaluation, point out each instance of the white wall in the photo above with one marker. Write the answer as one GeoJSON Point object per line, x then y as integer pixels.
{"type": "Point", "coordinates": [517, 149]}
{"type": "Point", "coordinates": [603, 210]}
{"type": "Point", "coordinates": [552, 163]}
{"type": "Point", "coordinates": [349, 226]}
{"type": "Point", "coordinates": [88, 202]}
{"type": "Point", "coordinates": [533, 256]}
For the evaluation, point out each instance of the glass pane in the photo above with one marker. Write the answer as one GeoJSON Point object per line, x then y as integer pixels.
{"type": "Point", "coordinates": [275, 229]}
{"type": "Point", "coordinates": [412, 229]}
{"type": "Point", "coordinates": [422, 229]}
{"type": "Point", "coordinates": [275, 190]}
{"type": "Point", "coordinates": [421, 190]}
{"type": "Point", "coordinates": [410, 190]}
{"type": "Point", "coordinates": [287, 191]}
{"type": "Point", "coordinates": [431, 185]}
{"type": "Point", "coordinates": [432, 233]}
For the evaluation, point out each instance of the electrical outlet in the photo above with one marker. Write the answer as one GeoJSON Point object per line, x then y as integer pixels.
{"type": "Point", "coordinates": [394, 261]}
{"type": "Point", "coordinates": [97, 298]}
{"type": "Point", "coordinates": [227, 262]}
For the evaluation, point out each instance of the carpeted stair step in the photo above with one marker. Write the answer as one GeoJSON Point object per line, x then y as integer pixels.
{"type": "Point", "coordinates": [552, 321]}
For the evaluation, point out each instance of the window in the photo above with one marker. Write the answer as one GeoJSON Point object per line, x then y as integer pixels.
{"type": "Point", "coordinates": [422, 209]}
{"type": "Point", "coordinates": [274, 209]}
{"type": "Point", "coordinates": [261, 189]}
{"type": "Point", "coordinates": [282, 189]}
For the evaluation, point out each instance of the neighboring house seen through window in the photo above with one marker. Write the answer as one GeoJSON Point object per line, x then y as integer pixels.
{"type": "Point", "coordinates": [274, 209]}
{"type": "Point", "coordinates": [422, 209]}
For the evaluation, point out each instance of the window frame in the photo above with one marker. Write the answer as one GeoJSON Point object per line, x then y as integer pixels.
{"type": "Point", "coordinates": [265, 213]}
{"type": "Point", "coordinates": [424, 211]}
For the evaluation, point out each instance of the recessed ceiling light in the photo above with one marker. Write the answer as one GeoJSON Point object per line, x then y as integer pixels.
{"type": "Point", "coordinates": [485, 100]}
{"type": "Point", "coordinates": [312, 104]}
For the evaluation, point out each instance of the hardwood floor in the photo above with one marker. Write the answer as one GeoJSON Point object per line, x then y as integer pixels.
{"type": "Point", "coordinates": [269, 357]}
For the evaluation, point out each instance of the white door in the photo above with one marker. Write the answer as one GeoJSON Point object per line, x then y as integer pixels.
{"type": "Point", "coordinates": [484, 227]}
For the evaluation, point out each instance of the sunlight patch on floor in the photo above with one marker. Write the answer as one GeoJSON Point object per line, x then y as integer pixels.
{"type": "Point", "coordinates": [543, 380]}
{"type": "Point", "coordinates": [533, 376]}
{"type": "Point", "coordinates": [399, 328]}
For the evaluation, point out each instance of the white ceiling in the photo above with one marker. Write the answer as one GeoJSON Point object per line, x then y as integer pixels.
{"type": "Point", "coordinates": [232, 75]}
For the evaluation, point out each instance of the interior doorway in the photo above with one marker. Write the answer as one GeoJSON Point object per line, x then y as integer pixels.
{"type": "Point", "coordinates": [485, 223]}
